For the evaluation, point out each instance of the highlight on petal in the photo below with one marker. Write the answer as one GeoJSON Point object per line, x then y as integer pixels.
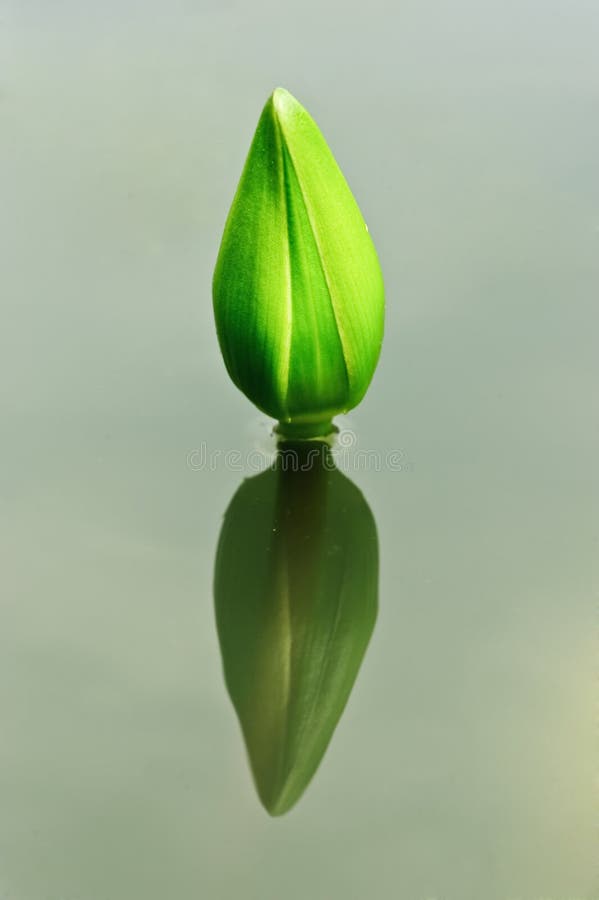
{"type": "Point", "coordinates": [298, 291]}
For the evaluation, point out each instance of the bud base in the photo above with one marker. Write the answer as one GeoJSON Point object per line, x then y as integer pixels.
{"type": "Point", "coordinates": [305, 431]}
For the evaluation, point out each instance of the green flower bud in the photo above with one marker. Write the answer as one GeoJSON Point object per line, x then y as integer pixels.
{"type": "Point", "coordinates": [298, 290]}
{"type": "Point", "coordinates": [295, 591]}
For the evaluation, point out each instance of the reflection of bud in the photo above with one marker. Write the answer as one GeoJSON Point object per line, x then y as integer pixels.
{"type": "Point", "coordinates": [298, 291]}
{"type": "Point", "coordinates": [295, 591]}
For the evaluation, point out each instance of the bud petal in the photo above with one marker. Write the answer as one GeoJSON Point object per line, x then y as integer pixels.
{"type": "Point", "coordinates": [298, 291]}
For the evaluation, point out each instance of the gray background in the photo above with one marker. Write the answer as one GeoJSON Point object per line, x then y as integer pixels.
{"type": "Point", "coordinates": [463, 767]}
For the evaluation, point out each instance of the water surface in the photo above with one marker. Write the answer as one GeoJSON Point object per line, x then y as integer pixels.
{"type": "Point", "coordinates": [462, 766]}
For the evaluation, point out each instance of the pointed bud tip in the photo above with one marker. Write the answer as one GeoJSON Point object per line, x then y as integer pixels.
{"type": "Point", "coordinates": [283, 102]}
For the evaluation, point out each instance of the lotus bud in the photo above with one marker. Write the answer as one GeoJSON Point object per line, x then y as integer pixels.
{"type": "Point", "coordinates": [298, 290]}
{"type": "Point", "coordinates": [295, 591]}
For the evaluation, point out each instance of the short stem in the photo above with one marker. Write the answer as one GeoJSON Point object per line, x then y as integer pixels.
{"type": "Point", "coordinates": [305, 431]}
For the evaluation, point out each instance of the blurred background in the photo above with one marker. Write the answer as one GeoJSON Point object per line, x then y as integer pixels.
{"type": "Point", "coordinates": [463, 766]}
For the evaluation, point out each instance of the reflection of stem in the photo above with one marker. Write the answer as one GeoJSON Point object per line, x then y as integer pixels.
{"type": "Point", "coordinates": [300, 510]}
